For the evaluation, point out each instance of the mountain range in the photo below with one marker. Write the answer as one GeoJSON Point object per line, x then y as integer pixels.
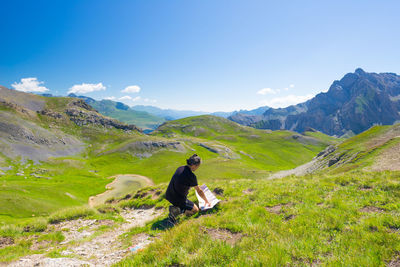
{"type": "Point", "coordinates": [172, 114]}
{"type": "Point", "coordinates": [351, 105]}
{"type": "Point", "coordinates": [150, 117]}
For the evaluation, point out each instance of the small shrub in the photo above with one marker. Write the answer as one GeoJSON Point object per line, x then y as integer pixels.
{"type": "Point", "coordinates": [10, 230]}
{"type": "Point", "coordinates": [38, 225]}
{"type": "Point", "coordinates": [107, 209]}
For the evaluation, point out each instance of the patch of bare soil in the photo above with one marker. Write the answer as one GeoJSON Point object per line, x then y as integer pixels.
{"type": "Point", "coordinates": [388, 160]}
{"type": "Point", "coordinates": [393, 229]}
{"type": "Point", "coordinates": [304, 169]}
{"type": "Point", "coordinates": [384, 138]}
{"type": "Point", "coordinates": [75, 230]}
{"type": "Point", "coordinates": [140, 241]}
{"type": "Point", "coordinates": [371, 209]}
{"type": "Point", "coordinates": [289, 217]}
{"type": "Point", "coordinates": [84, 247]}
{"type": "Point", "coordinates": [365, 188]}
{"type": "Point", "coordinates": [36, 245]}
{"type": "Point", "coordinates": [248, 191]}
{"type": "Point", "coordinates": [395, 262]}
{"type": "Point", "coordinates": [224, 235]}
{"type": "Point", "coordinates": [277, 209]}
{"type": "Point", "coordinates": [304, 262]}
{"type": "Point", "coordinates": [6, 241]}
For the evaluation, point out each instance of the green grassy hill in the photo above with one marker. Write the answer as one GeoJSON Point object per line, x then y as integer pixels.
{"type": "Point", "coordinates": [376, 149]}
{"type": "Point", "coordinates": [317, 220]}
{"type": "Point", "coordinates": [257, 149]}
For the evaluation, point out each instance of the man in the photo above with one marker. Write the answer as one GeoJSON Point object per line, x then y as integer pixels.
{"type": "Point", "coordinates": [179, 186]}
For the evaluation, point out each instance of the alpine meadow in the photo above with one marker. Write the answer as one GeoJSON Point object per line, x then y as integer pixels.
{"type": "Point", "coordinates": [210, 133]}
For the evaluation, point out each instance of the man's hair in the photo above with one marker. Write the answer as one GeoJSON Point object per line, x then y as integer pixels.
{"type": "Point", "coordinates": [193, 160]}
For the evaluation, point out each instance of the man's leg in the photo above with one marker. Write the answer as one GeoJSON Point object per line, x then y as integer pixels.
{"type": "Point", "coordinates": [190, 208]}
{"type": "Point", "coordinates": [174, 211]}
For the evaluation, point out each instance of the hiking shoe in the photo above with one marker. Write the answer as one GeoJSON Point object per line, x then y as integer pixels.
{"type": "Point", "coordinates": [174, 211]}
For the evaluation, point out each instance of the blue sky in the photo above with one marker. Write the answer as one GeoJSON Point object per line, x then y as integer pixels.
{"type": "Point", "coordinates": [197, 55]}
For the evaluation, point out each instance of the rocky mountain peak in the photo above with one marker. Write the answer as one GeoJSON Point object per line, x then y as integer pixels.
{"type": "Point", "coordinates": [360, 71]}
{"type": "Point", "coordinates": [352, 104]}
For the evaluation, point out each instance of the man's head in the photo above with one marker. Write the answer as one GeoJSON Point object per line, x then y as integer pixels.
{"type": "Point", "coordinates": [193, 162]}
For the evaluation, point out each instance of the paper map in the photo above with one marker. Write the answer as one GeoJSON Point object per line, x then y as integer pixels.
{"type": "Point", "coordinates": [210, 197]}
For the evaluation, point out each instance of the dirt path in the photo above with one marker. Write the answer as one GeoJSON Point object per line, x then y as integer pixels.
{"type": "Point", "coordinates": [389, 159]}
{"type": "Point", "coordinates": [120, 186]}
{"type": "Point", "coordinates": [304, 169]}
{"type": "Point", "coordinates": [83, 248]}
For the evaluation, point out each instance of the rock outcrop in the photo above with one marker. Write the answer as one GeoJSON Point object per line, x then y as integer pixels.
{"type": "Point", "coordinates": [83, 114]}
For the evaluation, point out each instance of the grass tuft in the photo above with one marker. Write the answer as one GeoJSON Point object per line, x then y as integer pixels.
{"type": "Point", "coordinates": [71, 214]}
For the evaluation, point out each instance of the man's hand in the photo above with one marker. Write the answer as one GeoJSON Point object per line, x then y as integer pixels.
{"type": "Point", "coordinates": [202, 195]}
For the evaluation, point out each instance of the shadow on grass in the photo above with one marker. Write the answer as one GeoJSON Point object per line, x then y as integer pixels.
{"type": "Point", "coordinates": [162, 224]}
{"type": "Point", "coordinates": [166, 223]}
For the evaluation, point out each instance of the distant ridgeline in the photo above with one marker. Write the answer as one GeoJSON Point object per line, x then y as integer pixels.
{"type": "Point", "coordinates": [124, 113]}
{"type": "Point", "coordinates": [352, 105]}
{"type": "Point", "coordinates": [150, 117]}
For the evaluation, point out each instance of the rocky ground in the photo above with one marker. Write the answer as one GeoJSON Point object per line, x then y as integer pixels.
{"type": "Point", "coordinates": [86, 247]}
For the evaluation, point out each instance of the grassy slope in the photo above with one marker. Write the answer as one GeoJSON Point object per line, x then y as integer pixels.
{"type": "Point", "coordinates": [325, 224]}
{"type": "Point", "coordinates": [360, 151]}
{"type": "Point", "coordinates": [271, 151]}
{"type": "Point", "coordinates": [323, 137]}
{"type": "Point", "coordinates": [22, 197]}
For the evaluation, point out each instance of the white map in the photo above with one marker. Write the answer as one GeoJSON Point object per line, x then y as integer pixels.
{"type": "Point", "coordinates": [210, 197]}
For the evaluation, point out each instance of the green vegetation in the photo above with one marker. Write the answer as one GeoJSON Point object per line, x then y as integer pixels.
{"type": "Point", "coordinates": [70, 181]}
{"type": "Point", "coordinates": [71, 214]}
{"type": "Point", "coordinates": [363, 150]}
{"type": "Point", "coordinates": [120, 187]}
{"type": "Point", "coordinates": [344, 216]}
{"type": "Point", "coordinates": [257, 149]}
{"type": "Point", "coordinates": [350, 219]}
{"type": "Point", "coordinates": [323, 137]}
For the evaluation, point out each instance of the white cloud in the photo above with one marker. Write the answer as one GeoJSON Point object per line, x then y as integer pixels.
{"type": "Point", "coordinates": [286, 89]}
{"type": "Point", "coordinates": [265, 91]}
{"type": "Point", "coordinates": [280, 102]}
{"type": "Point", "coordinates": [29, 85]}
{"type": "Point", "coordinates": [125, 97]}
{"type": "Point", "coordinates": [86, 88]}
{"type": "Point", "coordinates": [110, 98]}
{"type": "Point", "coordinates": [131, 89]}
{"type": "Point", "coordinates": [291, 86]}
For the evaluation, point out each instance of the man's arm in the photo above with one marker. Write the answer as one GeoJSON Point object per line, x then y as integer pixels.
{"type": "Point", "coordinates": [201, 194]}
